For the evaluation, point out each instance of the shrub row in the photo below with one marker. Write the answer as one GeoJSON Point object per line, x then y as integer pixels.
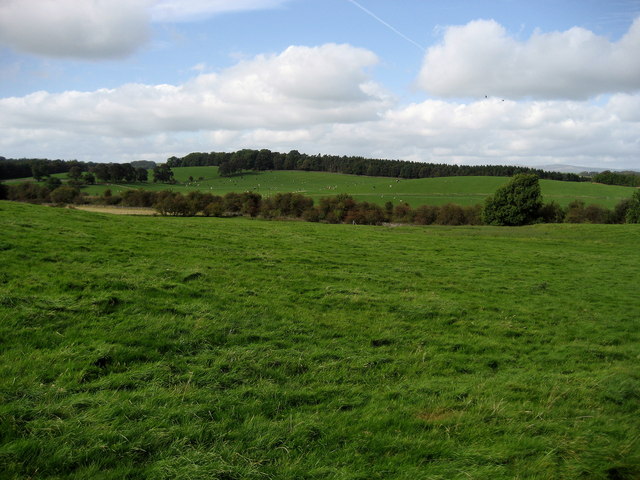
{"type": "Point", "coordinates": [344, 209]}
{"type": "Point", "coordinates": [338, 209]}
{"type": "Point", "coordinates": [51, 192]}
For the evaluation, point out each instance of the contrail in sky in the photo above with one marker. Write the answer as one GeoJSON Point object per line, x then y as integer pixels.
{"type": "Point", "coordinates": [390, 27]}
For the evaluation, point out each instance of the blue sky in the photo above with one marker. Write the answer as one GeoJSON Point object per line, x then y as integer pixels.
{"type": "Point", "coordinates": [458, 81]}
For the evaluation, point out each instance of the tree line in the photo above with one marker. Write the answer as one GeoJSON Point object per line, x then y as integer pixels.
{"type": "Point", "coordinates": [35, 167]}
{"type": "Point", "coordinates": [40, 168]}
{"type": "Point", "coordinates": [230, 163]}
{"type": "Point", "coordinates": [84, 173]}
{"type": "Point", "coordinates": [626, 179]}
{"type": "Point", "coordinates": [519, 202]}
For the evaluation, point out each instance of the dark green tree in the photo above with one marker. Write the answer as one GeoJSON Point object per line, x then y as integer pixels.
{"type": "Point", "coordinates": [75, 172]}
{"type": "Point", "coordinates": [292, 159]}
{"type": "Point", "coordinates": [53, 183]}
{"type": "Point", "coordinates": [39, 170]}
{"type": "Point", "coordinates": [263, 160]}
{"type": "Point", "coordinates": [117, 172]}
{"type": "Point", "coordinates": [129, 173]}
{"type": "Point", "coordinates": [552, 212]}
{"type": "Point", "coordinates": [162, 173]}
{"type": "Point", "coordinates": [101, 172]}
{"type": "Point", "coordinates": [619, 213]}
{"type": "Point", "coordinates": [516, 203]}
{"type": "Point", "coordinates": [89, 178]}
{"type": "Point", "coordinates": [141, 174]}
{"type": "Point", "coordinates": [633, 210]}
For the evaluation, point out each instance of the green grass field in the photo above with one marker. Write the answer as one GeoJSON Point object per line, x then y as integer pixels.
{"type": "Point", "coordinates": [200, 348]}
{"type": "Point", "coordinates": [425, 191]}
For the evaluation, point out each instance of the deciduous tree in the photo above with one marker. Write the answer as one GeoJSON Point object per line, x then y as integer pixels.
{"type": "Point", "coordinates": [163, 174]}
{"type": "Point", "coordinates": [141, 174]}
{"type": "Point", "coordinates": [75, 172]}
{"type": "Point", "coordinates": [39, 170]}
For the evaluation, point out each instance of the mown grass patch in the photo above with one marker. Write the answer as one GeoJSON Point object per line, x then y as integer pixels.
{"type": "Point", "coordinates": [233, 348]}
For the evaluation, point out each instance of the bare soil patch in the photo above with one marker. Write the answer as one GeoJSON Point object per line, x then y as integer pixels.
{"type": "Point", "coordinates": [116, 210]}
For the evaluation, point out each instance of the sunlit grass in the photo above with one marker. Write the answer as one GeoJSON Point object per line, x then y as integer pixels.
{"type": "Point", "coordinates": [234, 348]}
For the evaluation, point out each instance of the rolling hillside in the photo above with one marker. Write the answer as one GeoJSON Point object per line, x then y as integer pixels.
{"type": "Point", "coordinates": [426, 191]}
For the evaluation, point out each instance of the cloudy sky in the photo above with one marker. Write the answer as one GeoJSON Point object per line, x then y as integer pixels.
{"type": "Point", "coordinates": [447, 81]}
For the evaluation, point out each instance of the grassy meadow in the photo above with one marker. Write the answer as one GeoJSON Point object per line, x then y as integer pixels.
{"type": "Point", "coordinates": [416, 192]}
{"type": "Point", "coordinates": [207, 348]}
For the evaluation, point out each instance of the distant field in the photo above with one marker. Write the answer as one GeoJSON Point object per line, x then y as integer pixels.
{"type": "Point", "coordinates": [207, 348]}
{"type": "Point", "coordinates": [425, 191]}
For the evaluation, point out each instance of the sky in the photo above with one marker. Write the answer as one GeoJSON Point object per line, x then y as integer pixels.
{"type": "Point", "coordinates": [515, 82]}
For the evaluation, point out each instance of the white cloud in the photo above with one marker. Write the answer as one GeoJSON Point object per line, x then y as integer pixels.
{"type": "Point", "coordinates": [316, 100]}
{"type": "Point", "coordinates": [492, 131]}
{"type": "Point", "coordinates": [300, 86]}
{"type": "Point", "coordinates": [88, 29]}
{"type": "Point", "coordinates": [480, 59]}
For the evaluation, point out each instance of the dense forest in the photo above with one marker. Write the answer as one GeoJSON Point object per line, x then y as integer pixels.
{"type": "Point", "coordinates": [230, 163]}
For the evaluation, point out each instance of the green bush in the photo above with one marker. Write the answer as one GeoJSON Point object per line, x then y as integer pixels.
{"type": "Point", "coordinates": [633, 212]}
{"type": "Point", "coordinates": [450, 214]}
{"type": "Point", "coordinates": [516, 203]}
{"type": "Point", "coordinates": [64, 194]}
{"type": "Point", "coordinates": [552, 213]}
{"type": "Point", "coordinates": [215, 208]}
{"type": "Point", "coordinates": [403, 213]}
{"type": "Point", "coordinates": [28, 192]}
{"type": "Point", "coordinates": [174, 204]}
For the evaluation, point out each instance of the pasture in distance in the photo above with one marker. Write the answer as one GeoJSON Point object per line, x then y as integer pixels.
{"type": "Point", "coordinates": [415, 192]}
{"type": "Point", "coordinates": [142, 347]}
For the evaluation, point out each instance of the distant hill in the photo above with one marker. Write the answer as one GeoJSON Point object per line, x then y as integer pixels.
{"type": "Point", "coordinates": [147, 164]}
{"type": "Point", "coordinates": [577, 169]}
{"type": "Point", "coordinates": [460, 190]}
{"type": "Point", "coordinates": [569, 168]}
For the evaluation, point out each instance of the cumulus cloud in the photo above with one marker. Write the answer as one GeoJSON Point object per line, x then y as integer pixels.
{"type": "Point", "coordinates": [481, 58]}
{"type": "Point", "coordinates": [300, 86]}
{"type": "Point", "coordinates": [89, 29]}
{"type": "Point", "coordinates": [315, 99]}
{"type": "Point", "coordinates": [482, 132]}
{"type": "Point", "coordinates": [493, 131]}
